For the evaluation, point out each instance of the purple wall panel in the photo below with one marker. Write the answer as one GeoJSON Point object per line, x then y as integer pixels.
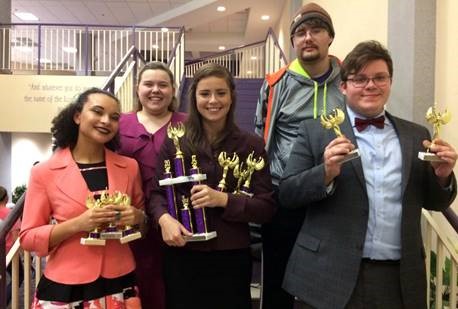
{"type": "Point", "coordinates": [247, 97]}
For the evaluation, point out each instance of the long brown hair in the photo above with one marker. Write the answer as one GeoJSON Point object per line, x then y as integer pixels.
{"type": "Point", "coordinates": [157, 65]}
{"type": "Point", "coordinates": [194, 128]}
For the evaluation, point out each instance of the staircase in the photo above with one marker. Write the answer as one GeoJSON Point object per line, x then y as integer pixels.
{"type": "Point", "coordinates": [247, 91]}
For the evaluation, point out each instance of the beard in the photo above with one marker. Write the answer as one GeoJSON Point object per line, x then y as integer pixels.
{"type": "Point", "coordinates": [310, 56]}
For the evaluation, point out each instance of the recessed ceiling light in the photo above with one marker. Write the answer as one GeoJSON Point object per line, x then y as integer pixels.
{"type": "Point", "coordinates": [26, 16]}
{"type": "Point", "coordinates": [221, 8]}
{"type": "Point", "coordinates": [253, 57]}
{"type": "Point", "coordinates": [265, 17]}
{"type": "Point", "coordinates": [221, 47]}
{"type": "Point", "coordinates": [164, 29]}
{"type": "Point", "coordinates": [70, 50]}
{"type": "Point", "coordinates": [155, 46]}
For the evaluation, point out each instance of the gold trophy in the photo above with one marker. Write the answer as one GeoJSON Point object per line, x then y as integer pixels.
{"type": "Point", "coordinates": [175, 133]}
{"type": "Point", "coordinates": [241, 174]}
{"type": "Point", "coordinates": [437, 119]}
{"type": "Point", "coordinates": [252, 165]}
{"type": "Point", "coordinates": [226, 163]}
{"type": "Point", "coordinates": [93, 238]}
{"type": "Point", "coordinates": [332, 121]}
{"type": "Point", "coordinates": [128, 233]}
{"type": "Point", "coordinates": [111, 231]}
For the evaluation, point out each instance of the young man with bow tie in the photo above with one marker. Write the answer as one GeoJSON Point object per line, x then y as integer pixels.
{"type": "Point", "coordinates": [360, 245]}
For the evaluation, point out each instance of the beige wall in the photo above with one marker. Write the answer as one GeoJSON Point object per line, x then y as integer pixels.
{"type": "Point", "coordinates": [355, 21]}
{"type": "Point", "coordinates": [26, 149]}
{"type": "Point", "coordinates": [282, 29]}
{"type": "Point", "coordinates": [29, 102]}
{"type": "Point", "coordinates": [446, 92]}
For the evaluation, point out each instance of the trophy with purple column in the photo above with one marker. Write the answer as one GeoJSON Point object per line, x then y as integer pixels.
{"type": "Point", "coordinates": [200, 228]}
{"type": "Point", "coordinates": [185, 213]}
{"type": "Point", "coordinates": [111, 231]}
{"type": "Point", "coordinates": [93, 238]}
{"type": "Point", "coordinates": [192, 219]}
{"type": "Point", "coordinates": [129, 233]}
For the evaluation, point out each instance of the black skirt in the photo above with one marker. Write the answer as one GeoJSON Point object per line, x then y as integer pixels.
{"type": "Point", "coordinates": [207, 280]}
{"type": "Point", "coordinates": [67, 293]}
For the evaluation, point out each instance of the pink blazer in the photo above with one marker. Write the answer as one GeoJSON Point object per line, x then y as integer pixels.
{"type": "Point", "coordinates": [57, 190]}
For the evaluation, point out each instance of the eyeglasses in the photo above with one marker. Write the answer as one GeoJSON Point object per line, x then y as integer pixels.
{"type": "Point", "coordinates": [313, 32]}
{"type": "Point", "coordinates": [361, 81]}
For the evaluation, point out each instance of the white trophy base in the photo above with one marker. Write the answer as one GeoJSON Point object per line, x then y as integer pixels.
{"type": "Point", "coordinates": [429, 156]}
{"type": "Point", "coordinates": [182, 179]}
{"type": "Point", "coordinates": [351, 155]}
{"type": "Point", "coordinates": [130, 237]}
{"type": "Point", "coordinates": [92, 242]}
{"type": "Point", "coordinates": [201, 236]}
{"type": "Point", "coordinates": [111, 235]}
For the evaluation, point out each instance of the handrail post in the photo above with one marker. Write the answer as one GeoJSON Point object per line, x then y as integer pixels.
{"type": "Point", "coordinates": [39, 50]}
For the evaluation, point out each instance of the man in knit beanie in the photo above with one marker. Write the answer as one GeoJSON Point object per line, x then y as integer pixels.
{"type": "Point", "coordinates": [306, 88]}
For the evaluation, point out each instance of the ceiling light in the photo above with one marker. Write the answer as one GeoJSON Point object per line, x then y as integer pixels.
{"type": "Point", "coordinates": [155, 46]}
{"type": "Point", "coordinates": [164, 29]}
{"type": "Point", "coordinates": [221, 8]}
{"type": "Point", "coordinates": [221, 47]}
{"type": "Point", "coordinates": [25, 16]}
{"type": "Point", "coordinates": [253, 58]}
{"type": "Point", "coordinates": [70, 50]}
{"type": "Point", "coordinates": [249, 72]}
{"type": "Point", "coordinates": [265, 17]}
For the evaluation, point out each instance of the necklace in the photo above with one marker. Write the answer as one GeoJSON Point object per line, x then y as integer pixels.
{"type": "Point", "coordinates": [93, 168]}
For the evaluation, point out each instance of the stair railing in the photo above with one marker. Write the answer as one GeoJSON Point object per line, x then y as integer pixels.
{"type": "Point", "coordinates": [249, 61]}
{"type": "Point", "coordinates": [123, 80]}
{"type": "Point", "coordinates": [441, 263]}
{"type": "Point", "coordinates": [79, 49]}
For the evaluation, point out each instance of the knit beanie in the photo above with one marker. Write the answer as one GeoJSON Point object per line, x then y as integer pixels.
{"type": "Point", "coordinates": [311, 10]}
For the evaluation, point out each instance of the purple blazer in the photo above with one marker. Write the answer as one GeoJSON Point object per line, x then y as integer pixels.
{"type": "Point", "coordinates": [144, 147]}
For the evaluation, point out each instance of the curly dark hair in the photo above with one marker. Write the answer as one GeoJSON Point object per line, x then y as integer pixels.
{"type": "Point", "coordinates": [194, 129]}
{"type": "Point", "coordinates": [65, 131]}
{"type": "Point", "coordinates": [157, 65]}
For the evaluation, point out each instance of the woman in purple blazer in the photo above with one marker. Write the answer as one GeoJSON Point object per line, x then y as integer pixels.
{"type": "Point", "coordinates": [142, 133]}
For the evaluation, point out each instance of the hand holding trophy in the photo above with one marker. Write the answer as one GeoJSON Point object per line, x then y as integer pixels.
{"type": "Point", "coordinates": [437, 119]}
{"type": "Point", "coordinates": [93, 238]}
{"type": "Point", "coordinates": [332, 121]}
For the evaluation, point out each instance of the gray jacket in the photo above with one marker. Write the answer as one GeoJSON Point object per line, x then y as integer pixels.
{"type": "Point", "coordinates": [295, 97]}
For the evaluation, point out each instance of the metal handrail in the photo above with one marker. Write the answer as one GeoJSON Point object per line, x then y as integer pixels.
{"type": "Point", "coordinates": [134, 53]}
{"type": "Point", "coordinates": [270, 32]}
{"type": "Point", "coordinates": [5, 227]}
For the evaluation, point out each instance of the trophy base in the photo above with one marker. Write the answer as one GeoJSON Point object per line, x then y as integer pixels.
{"type": "Point", "coordinates": [429, 156]}
{"type": "Point", "coordinates": [241, 192]}
{"type": "Point", "coordinates": [130, 237]}
{"type": "Point", "coordinates": [111, 235]}
{"type": "Point", "coordinates": [201, 236]}
{"type": "Point", "coordinates": [351, 155]}
{"type": "Point", "coordinates": [92, 242]}
{"type": "Point", "coordinates": [182, 179]}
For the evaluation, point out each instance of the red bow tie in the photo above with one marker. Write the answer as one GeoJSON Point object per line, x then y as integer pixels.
{"type": "Point", "coordinates": [362, 124]}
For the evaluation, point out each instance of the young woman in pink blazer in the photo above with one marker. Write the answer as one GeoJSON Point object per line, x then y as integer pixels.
{"type": "Point", "coordinates": [56, 217]}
